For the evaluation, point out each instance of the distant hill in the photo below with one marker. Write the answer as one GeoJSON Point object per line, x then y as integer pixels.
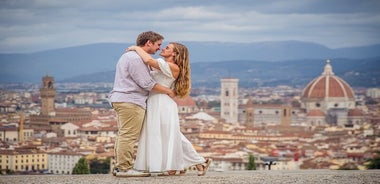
{"type": "Point", "coordinates": [358, 73]}
{"type": "Point", "coordinates": [97, 61]}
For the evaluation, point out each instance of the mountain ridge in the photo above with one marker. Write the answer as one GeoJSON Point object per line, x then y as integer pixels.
{"type": "Point", "coordinates": [358, 73]}
{"type": "Point", "coordinates": [70, 62]}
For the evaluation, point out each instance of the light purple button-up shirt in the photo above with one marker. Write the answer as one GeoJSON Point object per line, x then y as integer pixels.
{"type": "Point", "coordinates": [132, 80]}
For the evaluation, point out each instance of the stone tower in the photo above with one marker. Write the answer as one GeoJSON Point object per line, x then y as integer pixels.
{"type": "Point", "coordinates": [47, 93]}
{"type": "Point", "coordinates": [229, 100]}
{"type": "Point", "coordinates": [286, 117]}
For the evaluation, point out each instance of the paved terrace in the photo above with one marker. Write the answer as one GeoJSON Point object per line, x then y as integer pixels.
{"type": "Point", "coordinates": [267, 176]}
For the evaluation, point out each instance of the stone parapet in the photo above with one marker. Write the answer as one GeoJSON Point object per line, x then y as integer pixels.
{"type": "Point", "coordinates": [267, 176]}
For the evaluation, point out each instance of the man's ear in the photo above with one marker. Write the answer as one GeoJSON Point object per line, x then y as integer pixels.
{"type": "Point", "coordinates": [149, 43]}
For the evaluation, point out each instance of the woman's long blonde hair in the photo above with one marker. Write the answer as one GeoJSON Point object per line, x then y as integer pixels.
{"type": "Point", "coordinates": [182, 84]}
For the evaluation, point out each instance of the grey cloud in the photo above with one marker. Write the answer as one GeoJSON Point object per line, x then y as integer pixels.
{"type": "Point", "coordinates": [31, 25]}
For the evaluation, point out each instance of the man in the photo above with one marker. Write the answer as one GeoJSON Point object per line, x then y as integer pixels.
{"type": "Point", "coordinates": [128, 98]}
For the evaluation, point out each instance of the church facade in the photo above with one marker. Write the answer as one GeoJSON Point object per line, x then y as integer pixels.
{"type": "Point", "coordinates": [326, 100]}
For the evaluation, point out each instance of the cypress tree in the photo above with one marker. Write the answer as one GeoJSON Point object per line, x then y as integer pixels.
{"type": "Point", "coordinates": [81, 167]}
{"type": "Point", "coordinates": [251, 163]}
{"type": "Point", "coordinates": [374, 163]}
{"type": "Point", "coordinates": [100, 166]}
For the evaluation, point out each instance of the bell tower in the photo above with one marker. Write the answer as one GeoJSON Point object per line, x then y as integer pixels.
{"type": "Point", "coordinates": [47, 93]}
{"type": "Point", "coordinates": [229, 100]}
{"type": "Point", "coordinates": [286, 117]}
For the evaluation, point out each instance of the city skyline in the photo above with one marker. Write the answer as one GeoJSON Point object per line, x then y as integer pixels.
{"type": "Point", "coordinates": [326, 126]}
{"type": "Point", "coordinates": [297, 140]}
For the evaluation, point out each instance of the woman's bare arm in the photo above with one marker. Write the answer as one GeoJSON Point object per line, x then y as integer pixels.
{"type": "Point", "coordinates": [147, 58]}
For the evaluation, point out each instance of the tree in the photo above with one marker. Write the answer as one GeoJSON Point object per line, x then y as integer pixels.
{"type": "Point", "coordinates": [81, 167]}
{"type": "Point", "coordinates": [100, 166]}
{"type": "Point", "coordinates": [251, 163]}
{"type": "Point", "coordinates": [374, 163]}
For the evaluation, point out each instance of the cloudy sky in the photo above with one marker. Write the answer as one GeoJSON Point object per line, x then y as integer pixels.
{"type": "Point", "coordinates": [35, 25]}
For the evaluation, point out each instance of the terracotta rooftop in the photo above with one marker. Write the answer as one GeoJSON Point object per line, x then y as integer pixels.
{"type": "Point", "coordinates": [186, 101]}
{"type": "Point", "coordinates": [355, 112]}
{"type": "Point", "coordinates": [315, 112]}
{"type": "Point", "coordinates": [328, 85]}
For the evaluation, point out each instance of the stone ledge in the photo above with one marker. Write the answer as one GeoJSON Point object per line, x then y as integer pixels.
{"type": "Point", "coordinates": [272, 176]}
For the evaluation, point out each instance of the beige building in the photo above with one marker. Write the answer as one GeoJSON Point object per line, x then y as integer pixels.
{"type": "Point", "coordinates": [259, 115]}
{"type": "Point", "coordinates": [23, 159]}
{"type": "Point", "coordinates": [186, 105]}
{"type": "Point", "coordinates": [13, 134]}
{"type": "Point", "coordinates": [70, 130]}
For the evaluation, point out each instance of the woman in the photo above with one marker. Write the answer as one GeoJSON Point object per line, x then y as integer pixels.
{"type": "Point", "coordinates": [162, 146]}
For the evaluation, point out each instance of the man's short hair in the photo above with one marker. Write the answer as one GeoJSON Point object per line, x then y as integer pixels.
{"type": "Point", "coordinates": [148, 35]}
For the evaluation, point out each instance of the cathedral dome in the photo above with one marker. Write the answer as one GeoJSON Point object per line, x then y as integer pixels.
{"type": "Point", "coordinates": [328, 86]}
{"type": "Point", "coordinates": [315, 113]}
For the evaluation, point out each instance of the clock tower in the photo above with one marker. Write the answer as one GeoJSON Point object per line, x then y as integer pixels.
{"type": "Point", "coordinates": [47, 93]}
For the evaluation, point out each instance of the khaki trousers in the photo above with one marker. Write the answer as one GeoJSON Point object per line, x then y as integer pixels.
{"type": "Point", "coordinates": [129, 121]}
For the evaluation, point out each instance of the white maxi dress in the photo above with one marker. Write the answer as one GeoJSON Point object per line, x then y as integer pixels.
{"type": "Point", "coordinates": [162, 146]}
